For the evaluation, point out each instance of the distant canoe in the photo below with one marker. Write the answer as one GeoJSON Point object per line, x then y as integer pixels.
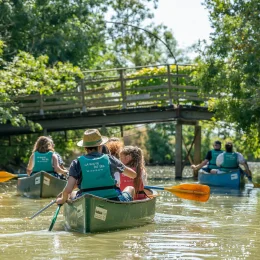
{"type": "Point", "coordinates": [233, 179]}
{"type": "Point", "coordinates": [40, 185]}
{"type": "Point", "coordinates": [90, 214]}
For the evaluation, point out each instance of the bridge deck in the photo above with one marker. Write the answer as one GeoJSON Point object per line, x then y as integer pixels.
{"type": "Point", "coordinates": [117, 97]}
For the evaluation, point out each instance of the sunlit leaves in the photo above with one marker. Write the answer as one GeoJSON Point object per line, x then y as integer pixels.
{"type": "Point", "coordinates": [230, 65]}
{"type": "Point", "coordinates": [25, 75]}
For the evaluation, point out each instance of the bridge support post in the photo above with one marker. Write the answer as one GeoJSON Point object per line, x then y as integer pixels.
{"type": "Point", "coordinates": [178, 151]}
{"type": "Point", "coordinates": [122, 131]}
{"type": "Point", "coordinates": [103, 130]}
{"type": "Point", "coordinates": [197, 148]}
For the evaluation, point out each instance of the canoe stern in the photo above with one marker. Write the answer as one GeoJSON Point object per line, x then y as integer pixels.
{"type": "Point", "coordinates": [40, 185]}
{"type": "Point", "coordinates": [232, 179]}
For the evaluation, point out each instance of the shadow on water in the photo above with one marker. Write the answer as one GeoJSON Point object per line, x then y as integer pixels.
{"type": "Point", "coordinates": [244, 191]}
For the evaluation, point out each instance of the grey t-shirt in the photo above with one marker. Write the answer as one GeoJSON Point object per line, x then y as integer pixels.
{"type": "Point", "coordinates": [115, 166]}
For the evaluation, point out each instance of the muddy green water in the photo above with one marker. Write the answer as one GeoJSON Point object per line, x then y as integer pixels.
{"type": "Point", "coordinates": [225, 227]}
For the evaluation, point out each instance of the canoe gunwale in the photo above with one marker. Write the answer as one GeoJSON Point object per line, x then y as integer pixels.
{"type": "Point", "coordinates": [70, 202]}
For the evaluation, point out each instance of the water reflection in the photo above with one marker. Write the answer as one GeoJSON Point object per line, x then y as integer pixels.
{"type": "Point", "coordinates": [244, 191]}
{"type": "Point", "coordinates": [227, 226]}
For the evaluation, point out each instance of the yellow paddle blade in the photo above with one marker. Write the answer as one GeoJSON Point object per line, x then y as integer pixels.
{"type": "Point", "coordinates": [6, 176]}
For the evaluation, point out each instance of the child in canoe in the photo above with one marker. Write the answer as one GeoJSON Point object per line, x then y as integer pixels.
{"type": "Point", "coordinates": [115, 146]}
{"type": "Point", "coordinates": [132, 156]}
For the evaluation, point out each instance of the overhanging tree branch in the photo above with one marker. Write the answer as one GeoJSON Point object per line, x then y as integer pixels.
{"type": "Point", "coordinates": [147, 31]}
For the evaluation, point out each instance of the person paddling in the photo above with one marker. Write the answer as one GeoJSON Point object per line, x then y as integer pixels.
{"type": "Point", "coordinates": [43, 158]}
{"type": "Point", "coordinates": [93, 172]}
{"type": "Point", "coordinates": [210, 159]}
{"type": "Point", "coordinates": [230, 160]}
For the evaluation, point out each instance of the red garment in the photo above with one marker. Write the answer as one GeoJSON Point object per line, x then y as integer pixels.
{"type": "Point", "coordinates": [126, 181]}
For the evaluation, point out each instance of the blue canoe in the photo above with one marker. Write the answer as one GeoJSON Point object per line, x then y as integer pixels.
{"type": "Point", "coordinates": [233, 179]}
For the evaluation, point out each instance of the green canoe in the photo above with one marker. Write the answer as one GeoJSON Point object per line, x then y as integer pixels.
{"type": "Point", "coordinates": [89, 214]}
{"type": "Point", "coordinates": [40, 185]}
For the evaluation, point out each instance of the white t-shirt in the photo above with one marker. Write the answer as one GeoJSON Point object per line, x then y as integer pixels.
{"type": "Point", "coordinates": [220, 159]}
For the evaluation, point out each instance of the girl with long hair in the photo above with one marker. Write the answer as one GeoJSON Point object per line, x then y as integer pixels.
{"type": "Point", "coordinates": [43, 158]}
{"type": "Point", "coordinates": [132, 156]}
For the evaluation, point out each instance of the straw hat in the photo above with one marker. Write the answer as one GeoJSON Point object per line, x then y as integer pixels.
{"type": "Point", "coordinates": [92, 138]}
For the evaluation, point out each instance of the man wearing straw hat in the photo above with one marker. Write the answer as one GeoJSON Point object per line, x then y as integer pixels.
{"type": "Point", "coordinates": [94, 172]}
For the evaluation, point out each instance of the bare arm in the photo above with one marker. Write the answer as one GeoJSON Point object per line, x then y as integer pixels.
{"type": "Point", "coordinates": [241, 160]}
{"type": "Point", "coordinates": [247, 170]}
{"type": "Point", "coordinates": [56, 166]}
{"type": "Point", "coordinates": [67, 190]}
{"type": "Point", "coordinates": [197, 167]}
{"type": "Point", "coordinates": [129, 173]}
{"type": "Point", "coordinates": [30, 165]}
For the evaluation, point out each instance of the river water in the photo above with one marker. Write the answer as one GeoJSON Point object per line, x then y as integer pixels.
{"type": "Point", "coordinates": [227, 226]}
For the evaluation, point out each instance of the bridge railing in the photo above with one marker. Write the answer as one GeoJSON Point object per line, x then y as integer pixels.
{"type": "Point", "coordinates": [122, 88]}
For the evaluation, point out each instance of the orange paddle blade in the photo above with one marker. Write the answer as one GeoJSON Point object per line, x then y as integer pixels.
{"type": "Point", "coordinates": [188, 191]}
{"type": "Point", "coordinates": [192, 196]}
{"type": "Point", "coordinates": [191, 191]}
{"type": "Point", "coordinates": [192, 188]}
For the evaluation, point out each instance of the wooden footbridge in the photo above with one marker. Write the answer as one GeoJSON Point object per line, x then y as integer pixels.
{"type": "Point", "coordinates": [119, 97]}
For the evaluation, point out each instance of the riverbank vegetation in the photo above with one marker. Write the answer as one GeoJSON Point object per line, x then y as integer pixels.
{"type": "Point", "coordinates": [45, 46]}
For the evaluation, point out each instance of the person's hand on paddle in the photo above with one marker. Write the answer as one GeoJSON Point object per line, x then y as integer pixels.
{"type": "Point", "coordinates": [67, 191]}
{"type": "Point", "coordinates": [61, 200]}
{"type": "Point", "coordinates": [193, 167]}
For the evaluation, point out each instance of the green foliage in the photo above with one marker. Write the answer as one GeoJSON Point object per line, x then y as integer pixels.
{"type": "Point", "coordinates": [229, 67]}
{"type": "Point", "coordinates": [157, 76]}
{"type": "Point", "coordinates": [76, 31]}
{"type": "Point", "coordinates": [63, 30]}
{"type": "Point", "coordinates": [160, 145]}
{"type": "Point", "coordinates": [26, 75]}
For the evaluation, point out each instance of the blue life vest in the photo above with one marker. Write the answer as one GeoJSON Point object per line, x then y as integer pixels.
{"type": "Point", "coordinates": [214, 154]}
{"type": "Point", "coordinates": [96, 177]}
{"type": "Point", "coordinates": [229, 162]}
{"type": "Point", "coordinates": [43, 162]}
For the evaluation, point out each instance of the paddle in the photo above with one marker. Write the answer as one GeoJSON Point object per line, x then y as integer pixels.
{"type": "Point", "coordinates": [54, 217]}
{"type": "Point", "coordinates": [256, 185]}
{"type": "Point", "coordinates": [189, 191]}
{"type": "Point", "coordinates": [6, 176]}
{"type": "Point", "coordinates": [41, 210]}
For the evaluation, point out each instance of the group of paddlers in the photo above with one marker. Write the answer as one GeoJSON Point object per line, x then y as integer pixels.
{"type": "Point", "coordinates": [219, 161]}
{"type": "Point", "coordinates": [108, 169]}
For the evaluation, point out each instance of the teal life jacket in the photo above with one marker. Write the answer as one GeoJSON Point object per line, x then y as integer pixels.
{"type": "Point", "coordinates": [96, 177]}
{"type": "Point", "coordinates": [229, 162]}
{"type": "Point", "coordinates": [214, 154]}
{"type": "Point", "coordinates": [43, 162]}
